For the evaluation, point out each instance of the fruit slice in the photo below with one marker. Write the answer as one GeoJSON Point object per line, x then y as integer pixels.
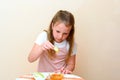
{"type": "Point", "coordinates": [56, 49]}
{"type": "Point", "coordinates": [38, 74]}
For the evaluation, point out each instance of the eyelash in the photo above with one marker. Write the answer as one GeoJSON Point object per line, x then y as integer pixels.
{"type": "Point", "coordinates": [63, 33]}
{"type": "Point", "coordinates": [58, 31]}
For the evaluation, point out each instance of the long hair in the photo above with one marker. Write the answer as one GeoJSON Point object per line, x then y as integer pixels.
{"type": "Point", "coordinates": [68, 19]}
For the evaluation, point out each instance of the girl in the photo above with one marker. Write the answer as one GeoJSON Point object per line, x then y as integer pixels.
{"type": "Point", "coordinates": [55, 48]}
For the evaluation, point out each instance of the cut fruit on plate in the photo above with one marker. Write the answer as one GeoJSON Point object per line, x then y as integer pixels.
{"type": "Point", "coordinates": [56, 76]}
{"type": "Point", "coordinates": [38, 76]}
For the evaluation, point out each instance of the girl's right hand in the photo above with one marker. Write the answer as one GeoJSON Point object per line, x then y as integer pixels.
{"type": "Point", "coordinates": [47, 45]}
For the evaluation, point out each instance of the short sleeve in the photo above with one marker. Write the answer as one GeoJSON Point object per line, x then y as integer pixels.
{"type": "Point", "coordinates": [42, 37]}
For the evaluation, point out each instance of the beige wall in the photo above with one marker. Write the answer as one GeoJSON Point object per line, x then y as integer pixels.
{"type": "Point", "coordinates": [99, 40]}
{"type": "Point", "coordinates": [97, 35]}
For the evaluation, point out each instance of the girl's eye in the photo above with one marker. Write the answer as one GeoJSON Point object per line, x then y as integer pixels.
{"type": "Point", "coordinates": [58, 31]}
{"type": "Point", "coordinates": [65, 33]}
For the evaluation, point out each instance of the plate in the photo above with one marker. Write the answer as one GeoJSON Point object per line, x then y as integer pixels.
{"type": "Point", "coordinates": [44, 75]}
{"type": "Point", "coordinates": [71, 76]}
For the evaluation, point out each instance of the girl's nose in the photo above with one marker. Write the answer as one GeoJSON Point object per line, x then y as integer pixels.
{"type": "Point", "coordinates": [60, 36]}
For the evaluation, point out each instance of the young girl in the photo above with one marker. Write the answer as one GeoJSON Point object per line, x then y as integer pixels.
{"type": "Point", "coordinates": [55, 48]}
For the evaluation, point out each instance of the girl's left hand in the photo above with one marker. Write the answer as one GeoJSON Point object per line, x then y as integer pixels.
{"type": "Point", "coordinates": [64, 71]}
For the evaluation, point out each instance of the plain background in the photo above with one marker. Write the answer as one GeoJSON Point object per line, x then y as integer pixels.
{"type": "Point", "coordinates": [97, 35]}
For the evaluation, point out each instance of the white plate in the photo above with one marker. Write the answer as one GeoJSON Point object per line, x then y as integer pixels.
{"type": "Point", "coordinates": [44, 75]}
{"type": "Point", "coordinates": [71, 76]}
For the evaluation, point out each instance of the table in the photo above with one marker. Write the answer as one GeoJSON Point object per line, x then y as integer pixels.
{"type": "Point", "coordinates": [32, 77]}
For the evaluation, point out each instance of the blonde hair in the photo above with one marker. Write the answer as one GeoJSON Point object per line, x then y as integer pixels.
{"type": "Point", "coordinates": [68, 19]}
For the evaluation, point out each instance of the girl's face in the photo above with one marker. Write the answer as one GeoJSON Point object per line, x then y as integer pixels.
{"type": "Point", "coordinates": [60, 31]}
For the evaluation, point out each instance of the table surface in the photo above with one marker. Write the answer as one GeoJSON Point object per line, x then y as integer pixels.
{"type": "Point", "coordinates": [31, 77]}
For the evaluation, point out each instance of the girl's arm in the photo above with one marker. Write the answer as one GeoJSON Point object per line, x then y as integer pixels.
{"type": "Point", "coordinates": [35, 53]}
{"type": "Point", "coordinates": [70, 65]}
{"type": "Point", "coordinates": [39, 49]}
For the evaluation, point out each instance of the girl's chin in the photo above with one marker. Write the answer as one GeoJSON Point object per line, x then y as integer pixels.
{"type": "Point", "coordinates": [58, 41]}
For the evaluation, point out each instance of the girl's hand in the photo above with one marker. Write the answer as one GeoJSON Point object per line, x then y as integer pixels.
{"type": "Point", "coordinates": [64, 71]}
{"type": "Point", "coordinates": [47, 46]}
{"type": "Point", "coordinates": [70, 66]}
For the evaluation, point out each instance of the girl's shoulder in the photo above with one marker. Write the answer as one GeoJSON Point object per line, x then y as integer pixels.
{"type": "Point", "coordinates": [41, 37]}
{"type": "Point", "coordinates": [44, 33]}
